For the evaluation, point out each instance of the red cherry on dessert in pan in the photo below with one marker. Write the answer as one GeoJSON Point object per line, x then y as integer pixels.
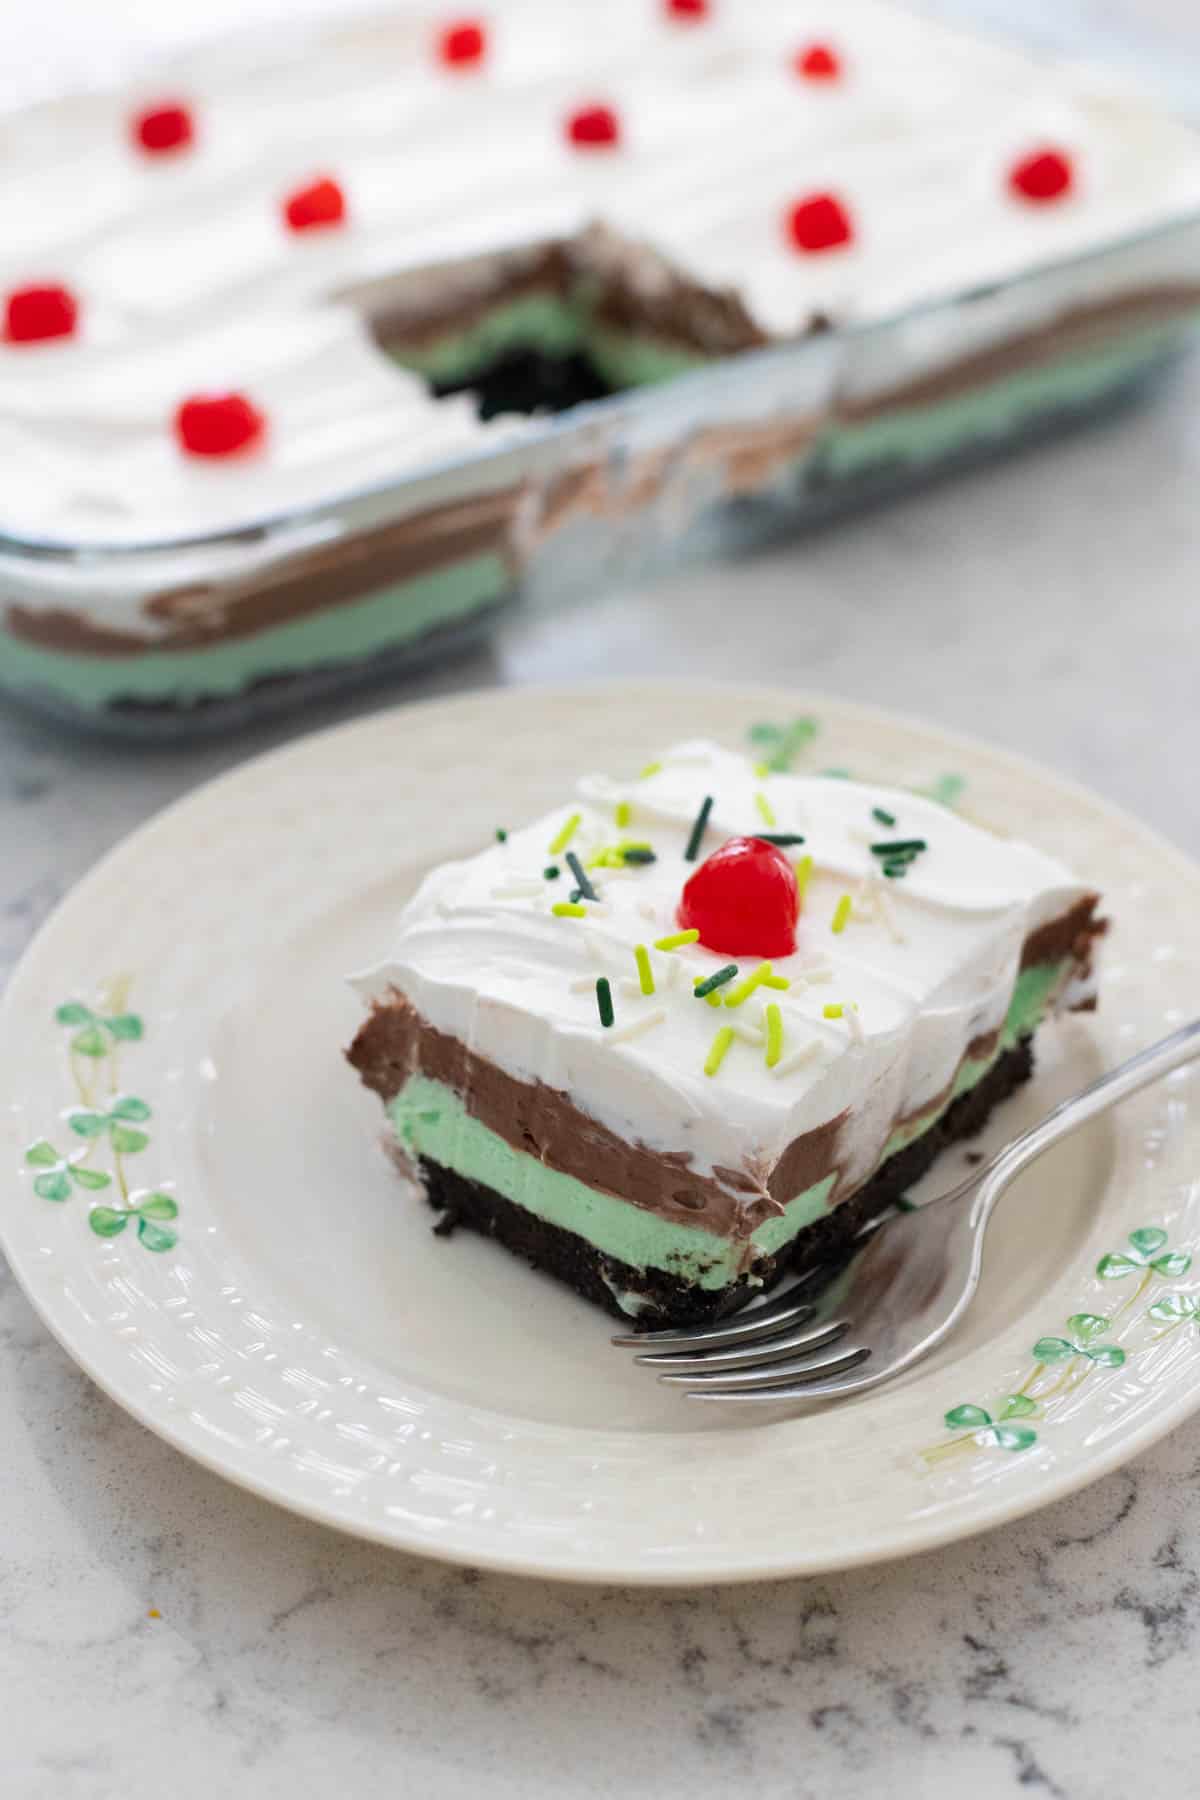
{"type": "Point", "coordinates": [817, 62]}
{"type": "Point", "coordinates": [218, 424]}
{"type": "Point", "coordinates": [819, 222]}
{"type": "Point", "coordinates": [743, 900]}
{"type": "Point", "coordinates": [463, 44]}
{"type": "Point", "coordinates": [1042, 176]}
{"type": "Point", "coordinates": [33, 314]}
{"type": "Point", "coordinates": [163, 128]}
{"type": "Point", "coordinates": [688, 9]}
{"type": "Point", "coordinates": [594, 128]}
{"type": "Point", "coordinates": [318, 204]}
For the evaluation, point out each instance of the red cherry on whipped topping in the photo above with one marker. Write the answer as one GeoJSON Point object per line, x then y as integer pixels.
{"type": "Point", "coordinates": [463, 44]}
{"type": "Point", "coordinates": [318, 204]}
{"type": "Point", "coordinates": [688, 9]}
{"type": "Point", "coordinates": [743, 900]}
{"type": "Point", "coordinates": [1042, 176]}
{"type": "Point", "coordinates": [218, 424]}
{"type": "Point", "coordinates": [594, 128]}
{"type": "Point", "coordinates": [817, 62]}
{"type": "Point", "coordinates": [33, 314]}
{"type": "Point", "coordinates": [163, 128]}
{"type": "Point", "coordinates": [819, 222]}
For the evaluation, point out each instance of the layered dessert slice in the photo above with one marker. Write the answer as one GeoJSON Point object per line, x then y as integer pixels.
{"type": "Point", "coordinates": [692, 1029]}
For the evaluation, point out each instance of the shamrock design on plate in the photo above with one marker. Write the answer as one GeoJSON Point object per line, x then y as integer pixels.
{"type": "Point", "coordinates": [151, 1210]}
{"type": "Point", "coordinates": [1085, 1329]}
{"type": "Point", "coordinates": [120, 1122]}
{"type": "Point", "coordinates": [997, 1431]}
{"type": "Point", "coordinates": [97, 1033]}
{"type": "Point", "coordinates": [56, 1174]}
{"type": "Point", "coordinates": [1146, 1251]}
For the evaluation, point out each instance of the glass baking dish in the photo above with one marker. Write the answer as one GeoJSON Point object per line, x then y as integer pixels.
{"type": "Point", "coordinates": [155, 639]}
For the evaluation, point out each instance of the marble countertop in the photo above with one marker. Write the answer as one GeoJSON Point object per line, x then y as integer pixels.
{"type": "Point", "coordinates": [164, 1634]}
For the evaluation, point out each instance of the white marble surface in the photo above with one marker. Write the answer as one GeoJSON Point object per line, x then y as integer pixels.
{"type": "Point", "coordinates": [163, 1634]}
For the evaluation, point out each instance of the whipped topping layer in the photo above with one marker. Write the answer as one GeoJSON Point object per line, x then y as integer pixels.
{"type": "Point", "coordinates": [188, 279]}
{"type": "Point", "coordinates": [922, 970]}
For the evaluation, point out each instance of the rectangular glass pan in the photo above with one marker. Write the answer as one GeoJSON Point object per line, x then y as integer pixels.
{"type": "Point", "coordinates": [203, 628]}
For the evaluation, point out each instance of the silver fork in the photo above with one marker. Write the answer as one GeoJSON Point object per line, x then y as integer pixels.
{"type": "Point", "coordinates": [900, 1295]}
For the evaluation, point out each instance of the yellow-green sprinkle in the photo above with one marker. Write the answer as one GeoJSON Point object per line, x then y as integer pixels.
{"type": "Point", "coordinates": [623, 813]}
{"type": "Point", "coordinates": [744, 989]}
{"type": "Point", "coordinates": [780, 982]}
{"type": "Point", "coordinates": [562, 838]}
{"type": "Point", "coordinates": [676, 940]}
{"type": "Point", "coordinates": [765, 812]}
{"type": "Point", "coordinates": [720, 1045]}
{"type": "Point", "coordinates": [645, 973]}
{"type": "Point", "coordinates": [651, 768]}
{"type": "Point", "coordinates": [567, 909]}
{"type": "Point", "coordinates": [834, 1010]}
{"type": "Point", "coordinates": [762, 770]}
{"type": "Point", "coordinates": [604, 1000]}
{"type": "Point", "coordinates": [841, 913]}
{"type": "Point", "coordinates": [710, 984]}
{"type": "Point", "coordinates": [774, 1023]}
{"type": "Point", "coordinates": [712, 999]}
{"type": "Point", "coordinates": [804, 869]}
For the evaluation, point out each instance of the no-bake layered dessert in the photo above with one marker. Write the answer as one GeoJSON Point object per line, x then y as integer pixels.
{"type": "Point", "coordinates": [267, 377]}
{"type": "Point", "coordinates": [691, 1030]}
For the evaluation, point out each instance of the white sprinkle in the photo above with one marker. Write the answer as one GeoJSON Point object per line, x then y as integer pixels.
{"type": "Point", "coordinates": [636, 1027]}
{"type": "Point", "coordinates": [627, 985]}
{"type": "Point", "coordinates": [887, 913]}
{"type": "Point", "coordinates": [647, 909]}
{"type": "Point", "coordinates": [674, 972]}
{"type": "Point", "coordinates": [853, 1025]}
{"type": "Point", "coordinates": [796, 1060]}
{"type": "Point", "coordinates": [746, 1034]}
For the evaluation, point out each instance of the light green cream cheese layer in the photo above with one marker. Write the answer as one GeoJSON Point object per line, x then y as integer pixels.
{"type": "Point", "coordinates": [431, 1121]}
{"type": "Point", "coordinates": [381, 620]}
{"type": "Point", "coordinates": [926, 433]}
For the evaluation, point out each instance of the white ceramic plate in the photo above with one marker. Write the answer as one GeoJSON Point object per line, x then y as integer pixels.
{"type": "Point", "coordinates": [279, 1308]}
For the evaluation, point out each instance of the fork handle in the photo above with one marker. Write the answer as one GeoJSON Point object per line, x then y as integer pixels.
{"type": "Point", "coordinates": [1149, 1065]}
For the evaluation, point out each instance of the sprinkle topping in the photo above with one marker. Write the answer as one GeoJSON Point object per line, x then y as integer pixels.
{"type": "Point", "coordinates": [720, 1045]}
{"type": "Point", "coordinates": [641, 957]}
{"type": "Point", "coordinates": [219, 425]}
{"type": "Point", "coordinates": [316, 206]}
{"type": "Point", "coordinates": [773, 1020]}
{"type": "Point", "coordinates": [841, 913]}
{"type": "Point", "coordinates": [817, 62]}
{"type": "Point", "coordinates": [604, 1000]}
{"type": "Point", "coordinates": [463, 44]}
{"type": "Point", "coordinates": [162, 129]}
{"type": "Point", "coordinates": [677, 940]}
{"type": "Point", "coordinates": [709, 986]}
{"type": "Point", "coordinates": [691, 11]}
{"type": "Point", "coordinates": [1045, 175]}
{"type": "Point", "coordinates": [563, 836]}
{"type": "Point", "coordinates": [698, 830]}
{"type": "Point", "coordinates": [34, 314]}
{"type": "Point", "coordinates": [583, 887]}
{"type": "Point", "coordinates": [594, 128]}
{"type": "Point", "coordinates": [819, 223]}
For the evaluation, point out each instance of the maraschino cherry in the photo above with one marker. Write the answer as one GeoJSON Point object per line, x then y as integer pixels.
{"type": "Point", "coordinates": [594, 128]}
{"type": "Point", "coordinates": [1042, 176]}
{"type": "Point", "coordinates": [818, 223]}
{"type": "Point", "coordinates": [463, 43]}
{"type": "Point", "coordinates": [743, 900]}
{"type": "Point", "coordinates": [34, 314]}
{"type": "Point", "coordinates": [315, 206]}
{"type": "Point", "coordinates": [164, 128]}
{"type": "Point", "coordinates": [688, 9]}
{"type": "Point", "coordinates": [817, 62]}
{"type": "Point", "coordinates": [218, 424]}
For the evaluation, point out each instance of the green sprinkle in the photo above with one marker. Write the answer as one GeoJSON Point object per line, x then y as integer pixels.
{"type": "Point", "coordinates": [651, 768]}
{"type": "Point", "coordinates": [583, 887]}
{"type": "Point", "coordinates": [895, 871]}
{"type": "Point", "coordinates": [784, 839]}
{"type": "Point", "coordinates": [501, 835]}
{"type": "Point", "coordinates": [774, 1022]}
{"type": "Point", "coordinates": [645, 973]}
{"type": "Point", "coordinates": [562, 838]}
{"type": "Point", "coordinates": [698, 830]}
{"type": "Point", "coordinates": [779, 982]}
{"type": "Point", "coordinates": [720, 1045]}
{"type": "Point", "coordinates": [744, 989]}
{"type": "Point", "coordinates": [834, 1010]}
{"type": "Point", "coordinates": [638, 856]}
{"type": "Point", "coordinates": [702, 989]}
{"type": "Point", "coordinates": [882, 818]}
{"type": "Point", "coordinates": [568, 909]}
{"type": "Point", "coordinates": [841, 913]}
{"type": "Point", "coordinates": [899, 847]}
{"type": "Point", "coordinates": [765, 812]}
{"type": "Point", "coordinates": [551, 872]}
{"type": "Point", "coordinates": [804, 869]}
{"type": "Point", "coordinates": [623, 813]}
{"type": "Point", "coordinates": [604, 1000]}
{"type": "Point", "coordinates": [677, 940]}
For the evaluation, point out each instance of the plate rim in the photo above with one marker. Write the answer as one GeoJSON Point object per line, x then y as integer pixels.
{"type": "Point", "coordinates": [900, 1540]}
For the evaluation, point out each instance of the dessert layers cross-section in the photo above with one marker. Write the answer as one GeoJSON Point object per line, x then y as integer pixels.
{"type": "Point", "coordinates": [691, 1029]}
